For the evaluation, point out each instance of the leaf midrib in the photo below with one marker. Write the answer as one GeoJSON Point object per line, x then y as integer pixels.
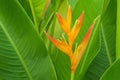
{"type": "Point", "coordinates": [17, 51]}
{"type": "Point", "coordinates": [107, 49]}
{"type": "Point", "coordinates": [33, 14]}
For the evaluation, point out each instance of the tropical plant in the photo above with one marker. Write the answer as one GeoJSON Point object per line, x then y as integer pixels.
{"type": "Point", "coordinates": [27, 28]}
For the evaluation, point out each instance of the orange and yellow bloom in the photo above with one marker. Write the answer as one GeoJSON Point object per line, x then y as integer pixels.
{"type": "Point", "coordinates": [65, 46]}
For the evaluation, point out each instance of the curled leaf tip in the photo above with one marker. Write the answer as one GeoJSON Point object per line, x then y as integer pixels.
{"type": "Point", "coordinates": [96, 19]}
{"type": "Point", "coordinates": [45, 33]}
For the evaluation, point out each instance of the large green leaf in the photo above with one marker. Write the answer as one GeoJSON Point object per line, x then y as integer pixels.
{"type": "Point", "coordinates": [23, 55]}
{"type": "Point", "coordinates": [113, 72]}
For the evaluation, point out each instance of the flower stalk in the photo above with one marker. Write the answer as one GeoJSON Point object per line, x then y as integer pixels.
{"type": "Point", "coordinates": [72, 76]}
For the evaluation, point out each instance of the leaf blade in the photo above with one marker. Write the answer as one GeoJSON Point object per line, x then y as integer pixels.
{"type": "Point", "coordinates": [29, 45]}
{"type": "Point", "coordinates": [112, 70]}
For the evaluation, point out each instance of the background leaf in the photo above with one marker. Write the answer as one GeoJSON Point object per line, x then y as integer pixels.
{"type": "Point", "coordinates": [37, 9]}
{"type": "Point", "coordinates": [26, 6]}
{"type": "Point", "coordinates": [22, 53]}
{"type": "Point", "coordinates": [49, 15]}
{"type": "Point", "coordinates": [98, 65]}
{"type": "Point", "coordinates": [113, 70]}
{"type": "Point", "coordinates": [72, 3]}
{"type": "Point", "coordinates": [108, 28]}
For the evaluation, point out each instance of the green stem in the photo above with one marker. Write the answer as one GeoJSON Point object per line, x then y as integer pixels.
{"type": "Point", "coordinates": [118, 31]}
{"type": "Point", "coordinates": [72, 75]}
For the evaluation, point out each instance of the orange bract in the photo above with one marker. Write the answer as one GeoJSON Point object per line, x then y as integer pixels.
{"type": "Point", "coordinates": [75, 30]}
{"type": "Point", "coordinates": [71, 34]}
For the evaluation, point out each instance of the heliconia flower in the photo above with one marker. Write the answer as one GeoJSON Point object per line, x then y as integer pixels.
{"type": "Point", "coordinates": [65, 46]}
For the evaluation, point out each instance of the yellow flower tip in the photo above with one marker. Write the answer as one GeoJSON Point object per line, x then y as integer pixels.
{"type": "Point", "coordinates": [69, 14]}
{"type": "Point", "coordinates": [69, 10]}
{"type": "Point", "coordinates": [69, 7]}
{"type": "Point", "coordinates": [96, 19]}
{"type": "Point", "coordinates": [86, 38]}
{"type": "Point", "coordinates": [60, 19]}
{"type": "Point", "coordinates": [87, 35]}
{"type": "Point", "coordinates": [80, 19]}
{"type": "Point", "coordinates": [64, 25]}
{"type": "Point", "coordinates": [55, 42]}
